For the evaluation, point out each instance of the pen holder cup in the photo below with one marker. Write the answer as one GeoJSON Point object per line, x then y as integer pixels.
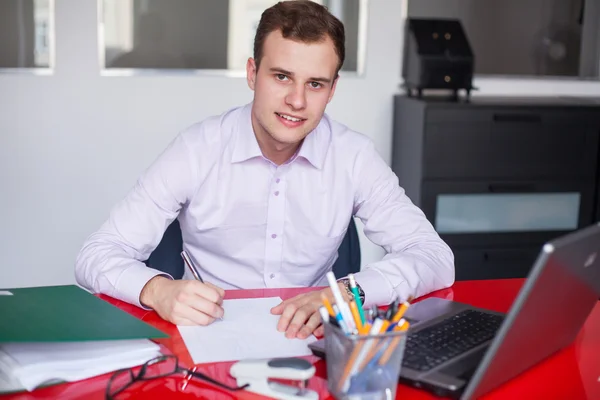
{"type": "Point", "coordinates": [363, 366]}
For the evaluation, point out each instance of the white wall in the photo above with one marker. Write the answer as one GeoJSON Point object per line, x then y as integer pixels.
{"type": "Point", "coordinates": [72, 144]}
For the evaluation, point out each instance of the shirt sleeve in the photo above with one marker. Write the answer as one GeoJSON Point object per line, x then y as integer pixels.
{"type": "Point", "coordinates": [418, 261]}
{"type": "Point", "coordinates": [111, 259]}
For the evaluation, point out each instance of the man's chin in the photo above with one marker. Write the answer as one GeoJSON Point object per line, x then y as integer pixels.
{"type": "Point", "coordinates": [291, 142]}
{"type": "Point", "coordinates": [289, 139]}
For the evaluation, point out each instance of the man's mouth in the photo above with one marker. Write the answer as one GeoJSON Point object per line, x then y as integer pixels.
{"type": "Point", "coordinates": [290, 117]}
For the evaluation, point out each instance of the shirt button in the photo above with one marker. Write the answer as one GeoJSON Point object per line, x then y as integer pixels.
{"type": "Point", "coordinates": [273, 236]}
{"type": "Point", "coordinates": [277, 180]}
{"type": "Point", "coordinates": [277, 193]}
{"type": "Point", "coordinates": [272, 276]}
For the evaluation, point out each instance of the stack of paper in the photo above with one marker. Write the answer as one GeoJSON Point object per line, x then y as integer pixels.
{"type": "Point", "coordinates": [63, 333]}
{"type": "Point", "coordinates": [29, 365]}
{"type": "Point", "coordinates": [248, 331]}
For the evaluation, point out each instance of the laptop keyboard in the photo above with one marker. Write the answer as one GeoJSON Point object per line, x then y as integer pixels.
{"type": "Point", "coordinates": [438, 343]}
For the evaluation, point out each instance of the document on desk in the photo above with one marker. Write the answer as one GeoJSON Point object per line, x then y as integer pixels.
{"type": "Point", "coordinates": [25, 366]}
{"type": "Point", "coordinates": [248, 331]}
{"type": "Point", "coordinates": [65, 313]}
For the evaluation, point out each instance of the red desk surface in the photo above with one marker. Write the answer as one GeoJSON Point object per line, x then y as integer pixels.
{"type": "Point", "coordinates": [573, 373]}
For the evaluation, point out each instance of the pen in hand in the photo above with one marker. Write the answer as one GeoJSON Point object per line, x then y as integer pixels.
{"type": "Point", "coordinates": [190, 265]}
{"type": "Point", "coordinates": [188, 261]}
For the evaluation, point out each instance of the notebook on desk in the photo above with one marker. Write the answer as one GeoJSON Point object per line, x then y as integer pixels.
{"type": "Point", "coordinates": [65, 313]}
{"type": "Point", "coordinates": [64, 334]}
{"type": "Point", "coordinates": [457, 350]}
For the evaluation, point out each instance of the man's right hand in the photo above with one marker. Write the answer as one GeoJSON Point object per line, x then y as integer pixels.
{"type": "Point", "coordinates": [183, 302]}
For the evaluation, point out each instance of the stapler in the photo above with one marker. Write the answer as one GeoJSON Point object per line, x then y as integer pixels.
{"type": "Point", "coordinates": [257, 373]}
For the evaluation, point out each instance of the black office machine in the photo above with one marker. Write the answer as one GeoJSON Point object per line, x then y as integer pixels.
{"type": "Point", "coordinates": [437, 55]}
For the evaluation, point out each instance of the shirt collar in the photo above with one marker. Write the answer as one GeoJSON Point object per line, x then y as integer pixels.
{"type": "Point", "coordinates": [314, 147]}
{"type": "Point", "coordinates": [246, 146]}
{"type": "Point", "coordinates": [316, 144]}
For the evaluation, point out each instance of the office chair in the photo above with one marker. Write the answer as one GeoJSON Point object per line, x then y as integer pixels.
{"type": "Point", "coordinates": [166, 257]}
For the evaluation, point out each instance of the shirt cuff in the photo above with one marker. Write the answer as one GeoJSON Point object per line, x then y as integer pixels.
{"type": "Point", "coordinates": [132, 281]}
{"type": "Point", "coordinates": [378, 290]}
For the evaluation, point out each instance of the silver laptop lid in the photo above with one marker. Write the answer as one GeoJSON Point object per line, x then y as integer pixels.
{"type": "Point", "coordinates": [560, 292]}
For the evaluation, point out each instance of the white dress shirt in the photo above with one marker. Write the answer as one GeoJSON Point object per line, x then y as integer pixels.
{"type": "Point", "coordinates": [248, 223]}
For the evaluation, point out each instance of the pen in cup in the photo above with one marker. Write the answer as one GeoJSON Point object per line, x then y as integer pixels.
{"type": "Point", "coordinates": [339, 300]}
{"type": "Point", "coordinates": [401, 310]}
{"type": "Point", "coordinates": [327, 304]}
{"type": "Point", "coordinates": [325, 316]}
{"type": "Point", "coordinates": [340, 320]}
{"type": "Point", "coordinates": [355, 315]}
{"type": "Point", "coordinates": [359, 304]}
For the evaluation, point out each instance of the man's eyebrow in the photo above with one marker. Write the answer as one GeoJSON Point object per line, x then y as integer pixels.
{"type": "Point", "coordinates": [323, 80]}
{"type": "Point", "coordinates": [289, 73]}
{"type": "Point", "coordinates": [281, 70]}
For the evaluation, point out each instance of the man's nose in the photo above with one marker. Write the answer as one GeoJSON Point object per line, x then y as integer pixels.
{"type": "Point", "coordinates": [296, 98]}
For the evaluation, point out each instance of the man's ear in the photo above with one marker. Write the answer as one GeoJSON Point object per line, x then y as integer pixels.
{"type": "Point", "coordinates": [251, 72]}
{"type": "Point", "coordinates": [333, 86]}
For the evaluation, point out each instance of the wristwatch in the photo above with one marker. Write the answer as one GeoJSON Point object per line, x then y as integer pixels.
{"type": "Point", "coordinates": [361, 293]}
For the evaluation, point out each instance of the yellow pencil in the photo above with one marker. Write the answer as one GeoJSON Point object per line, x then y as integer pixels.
{"type": "Point", "coordinates": [355, 315]}
{"type": "Point", "coordinates": [400, 313]}
{"type": "Point", "coordinates": [327, 304]}
{"type": "Point", "coordinates": [403, 325]}
{"type": "Point", "coordinates": [355, 354]}
{"type": "Point", "coordinates": [351, 360]}
{"type": "Point", "coordinates": [373, 352]}
{"type": "Point", "coordinates": [375, 349]}
{"type": "Point", "coordinates": [365, 329]}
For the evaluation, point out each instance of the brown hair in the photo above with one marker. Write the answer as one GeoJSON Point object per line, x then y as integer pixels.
{"type": "Point", "coordinates": [301, 20]}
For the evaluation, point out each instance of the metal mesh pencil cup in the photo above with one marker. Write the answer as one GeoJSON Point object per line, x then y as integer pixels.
{"type": "Point", "coordinates": [363, 366]}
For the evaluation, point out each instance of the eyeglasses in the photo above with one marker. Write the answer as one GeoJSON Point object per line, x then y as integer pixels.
{"type": "Point", "coordinates": [164, 366]}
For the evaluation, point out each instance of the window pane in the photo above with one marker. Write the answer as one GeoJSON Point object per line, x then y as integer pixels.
{"type": "Point", "coordinates": [192, 34]}
{"type": "Point", "coordinates": [525, 37]}
{"type": "Point", "coordinates": [476, 213]}
{"type": "Point", "coordinates": [25, 33]}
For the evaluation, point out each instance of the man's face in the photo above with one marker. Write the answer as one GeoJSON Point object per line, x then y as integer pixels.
{"type": "Point", "coordinates": [292, 87]}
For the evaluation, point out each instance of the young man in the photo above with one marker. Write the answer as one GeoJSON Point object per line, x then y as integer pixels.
{"type": "Point", "coordinates": [264, 193]}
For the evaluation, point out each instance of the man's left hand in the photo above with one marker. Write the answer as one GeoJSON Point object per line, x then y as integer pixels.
{"type": "Point", "coordinates": [300, 315]}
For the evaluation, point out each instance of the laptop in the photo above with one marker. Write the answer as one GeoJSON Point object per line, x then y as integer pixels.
{"type": "Point", "coordinates": [460, 351]}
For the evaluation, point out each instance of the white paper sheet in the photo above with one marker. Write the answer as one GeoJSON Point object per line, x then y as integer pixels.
{"type": "Point", "coordinates": [27, 365]}
{"type": "Point", "coordinates": [248, 331]}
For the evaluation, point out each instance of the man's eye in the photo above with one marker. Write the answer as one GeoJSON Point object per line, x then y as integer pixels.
{"type": "Point", "coordinates": [315, 85]}
{"type": "Point", "coordinates": [281, 77]}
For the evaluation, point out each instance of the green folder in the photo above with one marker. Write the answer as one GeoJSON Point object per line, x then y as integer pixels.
{"type": "Point", "coordinates": [65, 313]}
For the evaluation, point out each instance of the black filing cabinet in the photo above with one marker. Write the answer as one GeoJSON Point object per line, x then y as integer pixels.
{"type": "Point", "coordinates": [497, 177]}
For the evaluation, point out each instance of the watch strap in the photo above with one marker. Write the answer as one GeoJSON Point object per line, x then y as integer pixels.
{"type": "Point", "coordinates": [361, 293]}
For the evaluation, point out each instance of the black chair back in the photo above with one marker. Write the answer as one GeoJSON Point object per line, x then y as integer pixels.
{"type": "Point", "coordinates": [166, 257]}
